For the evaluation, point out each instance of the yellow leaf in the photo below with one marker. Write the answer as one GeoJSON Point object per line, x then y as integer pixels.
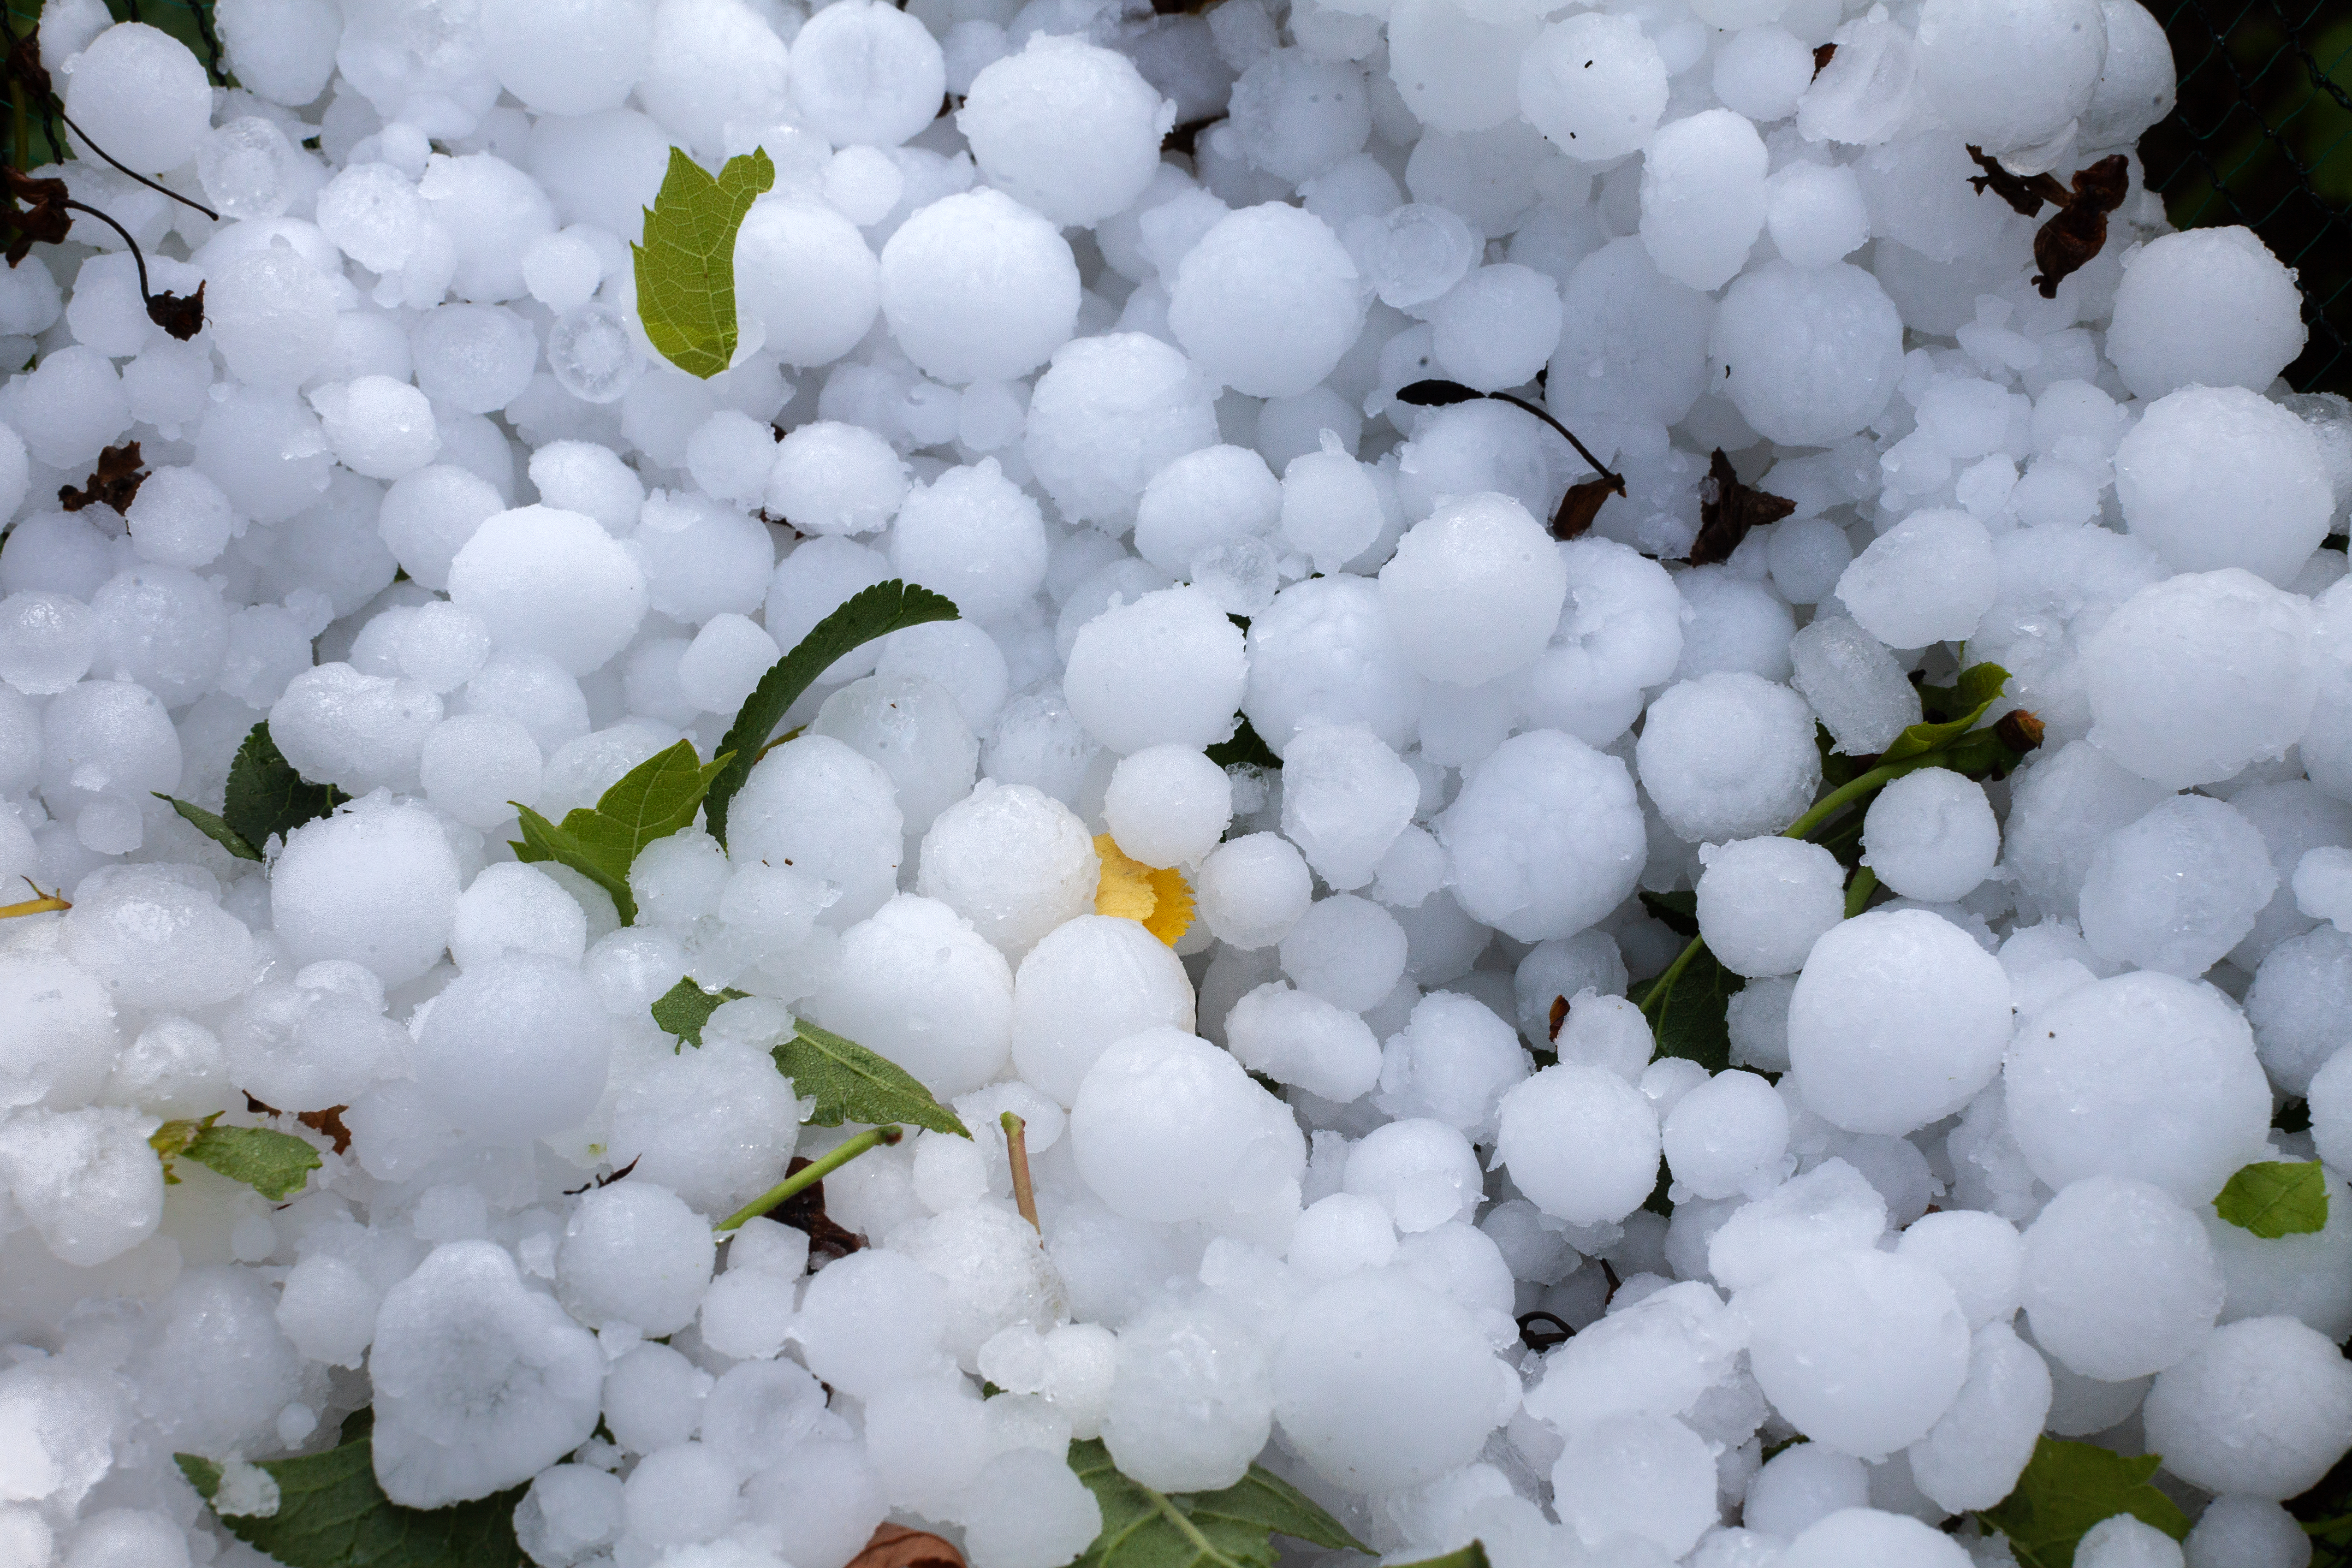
{"type": "Point", "coordinates": [1160, 901]}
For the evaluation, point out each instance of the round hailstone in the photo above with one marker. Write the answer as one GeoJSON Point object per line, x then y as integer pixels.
{"type": "Point", "coordinates": [1093, 982]}
{"type": "Point", "coordinates": [1166, 1127]}
{"type": "Point", "coordinates": [1498, 326]}
{"type": "Point", "coordinates": [1545, 836]}
{"type": "Point", "coordinates": [1727, 1135]}
{"type": "Point", "coordinates": [978, 287]}
{"type": "Point", "coordinates": [143, 97]}
{"type": "Point", "coordinates": [1899, 1020]}
{"type": "Point", "coordinates": [804, 273]}
{"type": "Point", "coordinates": [1068, 128]}
{"type": "Point", "coordinates": [1703, 197]}
{"type": "Point", "coordinates": [1595, 84]}
{"type": "Point", "coordinates": [1013, 861]}
{"type": "Point", "coordinates": [867, 74]}
{"type": "Point", "coordinates": [1931, 836]}
{"type": "Point", "coordinates": [1636, 1475]}
{"type": "Point", "coordinates": [1191, 1403]}
{"type": "Point", "coordinates": [1109, 414]}
{"type": "Point", "coordinates": [572, 56]}
{"type": "Point", "coordinates": [1169, 805]}
{"type": "Point", "coordinates": [552, 582]}
{"type": "Point", "coordinates": [2262, 1408]}
{"type": "Point", "coordinates": [1266, 301]}
{"type": "Point", "coordinates": [633, 1253]}
{"type": "Point", "coordinates": [480, 1382]}
{"type": "Point", "coordinates": [815, 804]}
{"type": "Point", "coordinates": [2008, 75]}
{"type": "Point", "coordinates": [376, 884]}
{"type": "Point", "coordinates": [1868, 1538]}
{"type": "Point", "coordinates": [1167, 669]}
{"type": "Point", "coordinates": [975, 536]}
{"type": "Point", "coordinates": [2195, 677]}
{"type": "Point", "coordinates": [1862, 1351]}
{"type": "Point", "coordinates": [2141, 1075]}
{"type": "Point", "coordinates": [515, 1048]}
{"type": "Point", "coordinates": [2219, 476]}
{"type": "Point", "coordinates": [1633, 341]}
{"type": "Point", "coordinates": [1729, 755]}
{"type": "Point", "coordinates": [2177, 888]}
{"type": "Point", "coordinates": [917, 985]}
{"type": "Point", "coordinates": [1580, 1142]}
{"type": "Point", "coordinates": [1763, 903]}
{"type": "Point", "coordinates": [2118, 1280]}
{"type": "Point", "coordinates": [1808, 355]}
{"type": "Point", "coordinates": [1455, 65]}
{"type": "Point", "coordinates": [1297, 115]}
{"type": "Point", "coordinates": [1346, 797]}
{"type": "Point", "coordinates": [1382, 1383]}
{"type": "Point", "coordinates": [1928, 579]}
{"type": "Point", "coordinates": [1475, 590]}
{"type": "Point", "coordinates": [2211, 307]}
{"type": "Point", "coordinates": [1252, 889]}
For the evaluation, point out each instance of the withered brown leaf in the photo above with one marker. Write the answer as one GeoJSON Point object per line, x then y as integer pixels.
{"type": "Point", "coordinates": [2068, 241]}
{"type": "Point", "coordinates": [2024, 193]}
{"type": "Point", "coordinates": [1582, 502]}
{"type": "Point", "coordinates": [1822, 54]}
{"type": "Point", "coordinates": [182, 315]}
{"type": "Point", "coordinates": [329, 1123]}
{"type": "Point", "coordinates": [1558, 1015]}
{"type": "Point", "coordinates": [114, 482]}
{"type": "Point", "coordinates": [1728, 509]}
{"type": "Point", "coordinates": [41, 220]}
{"type": "Point", "coordinates": [896, 1546]}
{"type": "Point", "coordinates": [805, 1211]}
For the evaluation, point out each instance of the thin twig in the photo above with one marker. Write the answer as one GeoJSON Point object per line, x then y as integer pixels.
{"type": "Point", "coordinates": [160, 190]}
{"type": "Point", "coordinates": [810, 1175]}
{"type": "Point", "coordinates": [1016, 1150]}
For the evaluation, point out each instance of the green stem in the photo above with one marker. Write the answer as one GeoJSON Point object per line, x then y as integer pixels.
{"type": "Point", "coordinates": [810, 1174]}
{"type": "Point", "coordinates": [1858, 891]}
{"type": "Point", "coordinates": [1664, 985]}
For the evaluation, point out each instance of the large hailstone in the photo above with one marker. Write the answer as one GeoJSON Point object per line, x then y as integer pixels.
{"type": "Point", "coordinates": [480, 1382]}
{"type": "Point", "coordinates": [1545, 836]}
{"type": "Point", "coordinates": [1862, 1351]}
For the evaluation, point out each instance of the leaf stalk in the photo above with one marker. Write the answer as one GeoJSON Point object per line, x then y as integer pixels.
{"type": "Point", "coordinates": [810, 1175]}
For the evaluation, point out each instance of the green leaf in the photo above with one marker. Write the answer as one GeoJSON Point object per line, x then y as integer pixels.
{"type": "Point", "coordinates": [1471, 1556]}
{"type": "Point", "coordinates": [2069, 1487]}
{"type": "Point", "coordinates": [2274, 1199]}
{"type": "Point", "coordinates": [211, 826]}
{"type": "Point", "coordinates": [851, 1083]}
{"type": "Point", "coordinates": [1689, 1012]}
{"type": "Point", "coordinates": [685, 1007]}
{"type": "Point", "coordinates": [1228, 1528]}
{"type": "Point", "coordinates": [1678, 913]}
{"type": "Point", "coordinates": [266, 798]}
{"type": "Point", "coordinates": [652, 800]}
{"type": "Point", "coordinates": [686, 267]}
{"type": "Point", "coordinates": [870, 613]}
{"type": "Point", "coordinates": [332, 1514]}
{"type": "Point", "coordinates": [275, 1165]}
{"type": "Point", "coordinates": [1978, 688]}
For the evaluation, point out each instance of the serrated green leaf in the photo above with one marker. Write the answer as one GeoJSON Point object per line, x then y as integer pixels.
{"type": "Point", "coordinates": [332, 1514]}
{"type": "Point", "coordinates": [870, 613]}
{"type": "Point", "coordinates": [1228, 1528]}
{"type": "Point", "coordinates": [2274, 1199]}
{"type": "Point", "coordinates": [266, 797]}
{"type": "Point", "coordinates": [685, 1007]}
{"type": "Point", "coordinates": [850, 1083]}
{"type": "Point", "coordinates": [210, 826]}
{"type": "Point", "coordinates": [686, 267]}
{"type": "Point", "coordinates": [1690, 1010]}
{"type": "Point", "coordinates": [652, 800]}
{"type": "Point", "coordinates": [1978, 688]}
{"type": "Point", "coordinates": [1471, 1556]}
{"type": "Point", "coordinates": [2069, 1487]}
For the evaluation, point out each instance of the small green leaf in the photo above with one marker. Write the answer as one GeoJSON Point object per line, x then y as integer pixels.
{"type": "Point", "coordinates": [332, 1514]}
{"type": "Point", "coordinates": [273, 1164]}
{"type": "Point", "coordinates": [1678, 913]}
{"type": "Point", "coordinates": [652, 800]}
{"type": "Point", "coordinates": [1471, 1556]}
{"type": "Point", "coordinates": [850, 1083]}
{"type": "Point", "coordinates": [686, 267]}
{"type": "Point", "coordinates": [1689, 1012]}
{"type": "Point", "coordinates": [685, 1007]}
{"type": "Point", "coordinates": [2274, 1199]}
{"type": "Point", "coordinates": [1978, 690]}
{"type": "Point", "coordinates": [1228, 1528]}
{"type": "Point", "coordinates": [2069, 1487]}
{"type": "Point", "coordinates": [211, 826]}
{"type": "Point", "coordinates": [870, 613]}
{"type": "Point", "coordinates": [266, 798]}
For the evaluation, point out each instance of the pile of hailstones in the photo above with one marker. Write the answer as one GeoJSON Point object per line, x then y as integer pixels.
{"type": "Point", "coordinates": [421, 496]}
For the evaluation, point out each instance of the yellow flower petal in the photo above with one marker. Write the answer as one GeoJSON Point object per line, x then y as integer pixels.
{"type": "Point", "coordinates": [1158, 900]}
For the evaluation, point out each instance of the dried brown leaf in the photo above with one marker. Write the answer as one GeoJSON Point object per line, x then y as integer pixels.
{"type": "Point", "coordinates": [40, 219]}
{"type": "Point", "coordinates": [896, 1546]}
{"type": "Point", "coordinates": [2066, 243]}
{"type": "Point", "coordinates": [182, 315]}
{"type": "Point", "coordinates": [1582, 504]}
{"type": "Point", "coordinates": [1728, 509]}
{"type": "Point", "coordinates": [114, 482]}
{"type": "Point", "coordinates": [2025, 193]}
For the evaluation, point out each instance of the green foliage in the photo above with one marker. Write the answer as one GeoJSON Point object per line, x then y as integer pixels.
{"type": "Point", "coordinates": [1228, 1528]}
{"type": "Point", "coordinates": [275, 1165]}
{"type": "Point", "coordinates": [685, 1007]}
{"type": "Point", "coordinates": [652, 800]}
{"type": "Point", "coordinates": [850, 1083]}
{"type": "Point", "coordinates": [332, 1514]}
{"type": "Point", "coordinates": [1978, 688]}
{"type": "Point", "coordinates": [2274, 1199]}
{"type": "Point", "coordinates": [1689, 1005]}
{"type": "Point", "coordinates": [871, 613]}
{"type": "Point", "coordinates": [1678, 913]}
{"type": "Point", "coordinates": [1471, 1556]}
{"type": "Point", "coordinates": [2069, 1487]}
{"type": "Point", "coordinates": [1244, 747]}
{"type": "Point", "coordinates": [210, 826]}
{"type": "Point", "coordinates": [686, 267]}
